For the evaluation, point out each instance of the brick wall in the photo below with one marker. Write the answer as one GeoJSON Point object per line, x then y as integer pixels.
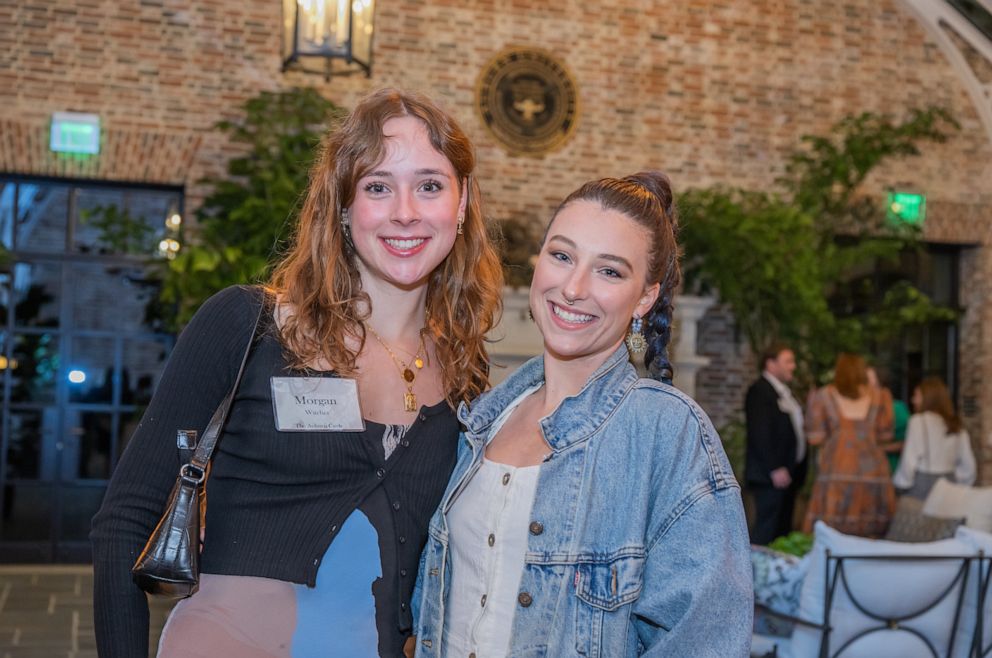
{"type": "Point", "coordinates": [720, 386]}
{"type": "Point", "coordinates": [712, 92]}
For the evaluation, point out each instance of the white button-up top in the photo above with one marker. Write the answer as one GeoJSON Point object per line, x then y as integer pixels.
{"type": "Point", "coordinates": [930, 449]}
{"type": "Point", "coordinates": [488, 529]}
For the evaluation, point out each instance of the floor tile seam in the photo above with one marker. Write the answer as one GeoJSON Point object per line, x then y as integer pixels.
{"type": "Point", "coordinates": [46, 570]}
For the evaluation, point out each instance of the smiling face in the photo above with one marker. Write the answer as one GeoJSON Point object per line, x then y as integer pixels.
{"type": "Point", "coordinates": [404, 214]}
{"type": "Point", "coordinates": [589, 281]}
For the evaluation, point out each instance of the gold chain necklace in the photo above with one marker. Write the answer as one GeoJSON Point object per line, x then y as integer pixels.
{"type": "Point", "coordinates": [408, 375]}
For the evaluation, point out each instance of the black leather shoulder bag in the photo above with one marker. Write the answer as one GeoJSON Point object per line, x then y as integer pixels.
{"type": "Point", "coordinates": [169, 565]}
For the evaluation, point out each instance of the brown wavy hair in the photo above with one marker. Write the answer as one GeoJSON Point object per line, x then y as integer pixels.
{"type": "Point", "coordinates": [318, 277]}
{"type": "Point", "coordinates": [937, 399]}
{"type": "Point", "coordinates": [850, 375]}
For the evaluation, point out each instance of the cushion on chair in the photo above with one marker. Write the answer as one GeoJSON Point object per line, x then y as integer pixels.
{"type": "Point", "coordinates": [887, 588]}
{"type": "Point", "coordinates": [912, 525]}
{"type": "Point", "coordinates": [778, 578]}
{"type": "Point", "coordinates": [978, 541]}
{"type": "Point", "coordinates": [953, 501]}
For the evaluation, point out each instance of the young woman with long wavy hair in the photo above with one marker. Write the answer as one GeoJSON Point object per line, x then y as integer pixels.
{"type": "Point", "coordinates": [378, 311]}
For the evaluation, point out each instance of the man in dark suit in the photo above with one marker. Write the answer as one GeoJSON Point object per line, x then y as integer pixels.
{"type": "Point", "coordinates": [776, 445]}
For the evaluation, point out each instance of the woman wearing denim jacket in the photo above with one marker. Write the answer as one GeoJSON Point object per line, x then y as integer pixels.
{"type": "Point", "coordinates": [591, 512]}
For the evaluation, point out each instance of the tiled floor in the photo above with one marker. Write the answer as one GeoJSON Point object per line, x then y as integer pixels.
{"type": "Point", "coordinates": [47, 612]}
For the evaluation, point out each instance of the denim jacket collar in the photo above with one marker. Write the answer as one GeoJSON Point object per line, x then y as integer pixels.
{"type": "Point", "coordinates": [575, 419]}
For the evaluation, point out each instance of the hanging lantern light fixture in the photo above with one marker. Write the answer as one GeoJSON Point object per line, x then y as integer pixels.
{"type": "Point", "coordinates": [317, 32]}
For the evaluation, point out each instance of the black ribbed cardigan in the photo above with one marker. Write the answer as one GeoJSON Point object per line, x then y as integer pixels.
{"type": "Point", "coordinates": [276, 499]}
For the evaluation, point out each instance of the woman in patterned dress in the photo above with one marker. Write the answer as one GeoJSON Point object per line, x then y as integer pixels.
{"type": "Point", "coordinates": [850, 420]}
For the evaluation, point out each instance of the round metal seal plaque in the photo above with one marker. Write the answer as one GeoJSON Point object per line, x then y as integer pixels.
{"type": "Point", "coordinates": [528, 100]}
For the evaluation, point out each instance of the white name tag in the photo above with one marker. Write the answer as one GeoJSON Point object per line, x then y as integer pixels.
{"type": "Point", "coordinates": [316, 404]}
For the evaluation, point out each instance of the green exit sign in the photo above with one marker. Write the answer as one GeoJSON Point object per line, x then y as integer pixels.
{"type": "Point", "coordinates": [74, 132]}
{"type": "Point", "coordinates": [906, 208]}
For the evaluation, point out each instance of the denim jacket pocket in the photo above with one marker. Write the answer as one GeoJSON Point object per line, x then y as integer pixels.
{"type": "Point", "coordinates": [604, 590]}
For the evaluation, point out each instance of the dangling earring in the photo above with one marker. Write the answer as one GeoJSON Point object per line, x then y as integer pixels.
{"type": "Point", "coordinates": [461, 222]}
{"type": "Point", "coordinates": [636, 342]}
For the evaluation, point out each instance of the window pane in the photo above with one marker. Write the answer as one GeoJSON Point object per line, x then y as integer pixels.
{"type": "Point", "coordinates": [87, 452]}
{"type": "Point", "coordinates": [27, 512]}
{"type": "Point", "coordinates": [79, 504]}
{"type": "Point", "coordinates": [943, 279]}
{"type": "Point", "coordinates": [101, 222]}
{"type": "Point", "coordinates": [91, 370]}
{"type": "Point", "coordinates": [143, 363]}
{"type": "Point", "coordinates": [111, 297]}
{"type": "Point", "coordinates": [7, 215]}
{"type": "Point", "coordinates": [37, 289]}
{"type": "Point", "coordinates": [34, 367]}
{"type": "Point", "coordinates": [938, 350]}
{"type": "Point", "coordinates": [32, 438]}
{"type": "Point", "coordinates": [6, 297]}
{"type": "Point", "coordinates": [128, 222]}
{"type": "Point", "coordinates": [42, 210]}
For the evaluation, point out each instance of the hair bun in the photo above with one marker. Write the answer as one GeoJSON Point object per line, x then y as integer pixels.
{"type": "Point", "coordinates": [658, 185]}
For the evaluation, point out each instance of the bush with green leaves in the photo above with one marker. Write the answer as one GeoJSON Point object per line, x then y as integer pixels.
{"type": "Point", "coordinates": [776, 258]}
{"type": "Point", "coordinates": [248, 216]}
{"type": "Point", "coordinates": [795, 543]}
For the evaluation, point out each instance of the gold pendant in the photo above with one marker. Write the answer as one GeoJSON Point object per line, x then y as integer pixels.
{"type": "Point", "coordinates": [408, 375]}
{"type": "Point", "coordinates": [409, 401]}
{"type": "Point", "coordinates": [418, 362]}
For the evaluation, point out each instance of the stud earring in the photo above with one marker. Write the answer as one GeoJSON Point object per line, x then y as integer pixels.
{"type": "Point", "coordinates": [636, 342]}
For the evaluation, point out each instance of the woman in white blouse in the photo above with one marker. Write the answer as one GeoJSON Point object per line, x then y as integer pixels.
{"type": "Point", "coordinates": [937, 445]}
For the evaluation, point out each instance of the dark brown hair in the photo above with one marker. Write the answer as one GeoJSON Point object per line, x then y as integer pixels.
{"type": "Point", "coordinates": [850, 375]}
{"type": "Point", "coordinates": [937, 398]}
{"type": "Point", "coordinates": [318, 277]}
{"type": "Point", "coordinates": [646, 198]}
{"type": "Point", "coordinates": [771, 352]}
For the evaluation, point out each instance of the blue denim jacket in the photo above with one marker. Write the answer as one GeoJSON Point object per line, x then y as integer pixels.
{"type": "Point", "coordinates": [637, 545]}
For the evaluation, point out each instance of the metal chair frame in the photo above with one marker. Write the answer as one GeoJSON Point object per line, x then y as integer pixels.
{"type": "Point", "coordinates": [836, 576]}
{"type": "Point", "coordinates": [978, 649]}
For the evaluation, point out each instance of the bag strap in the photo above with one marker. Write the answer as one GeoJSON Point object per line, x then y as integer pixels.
{"type": "Point", "coordinates": [205, 448]}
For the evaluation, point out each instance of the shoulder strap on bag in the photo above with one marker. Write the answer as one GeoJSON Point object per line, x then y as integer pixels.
{"type": "Point", "coordinates": [205, 448]}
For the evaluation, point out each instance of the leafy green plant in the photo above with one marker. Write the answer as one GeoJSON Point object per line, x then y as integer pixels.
{"type": "Point", "coordinates": [248, 215]}
{"type": "Point", "coordinates": [794, 543]}
{"type": "Point", "coordinates": [777, 258]}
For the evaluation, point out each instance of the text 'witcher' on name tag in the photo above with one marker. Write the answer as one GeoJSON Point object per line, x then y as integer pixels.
{"type": "Point", "coordinates": [316, 404]}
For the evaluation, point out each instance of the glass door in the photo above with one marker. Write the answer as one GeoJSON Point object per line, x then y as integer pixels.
{"type": "Point", "coordinates": [80, 351]}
